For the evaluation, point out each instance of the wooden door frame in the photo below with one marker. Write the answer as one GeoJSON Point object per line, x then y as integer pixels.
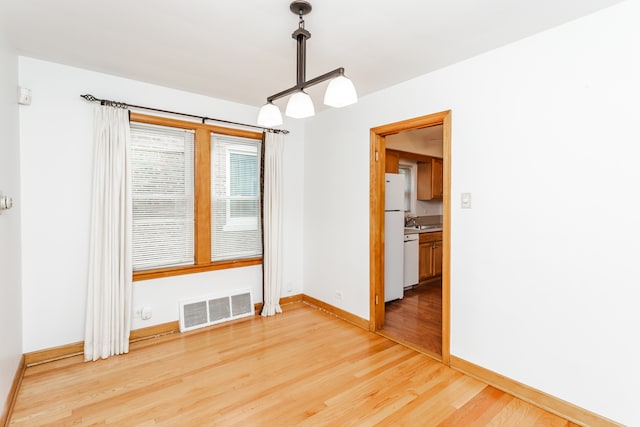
{"type": "Point", "coordinates": [376, 225]}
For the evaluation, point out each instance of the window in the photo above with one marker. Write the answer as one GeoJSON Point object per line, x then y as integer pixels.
{"type": "Point", "coordinates": [196, 197]}
{"type": "Point", "coordinates": [235, 198]}
{"type": "Point", "coordinates": [162, 192]}
{"type": "Point", "coordinates": [406, 171]}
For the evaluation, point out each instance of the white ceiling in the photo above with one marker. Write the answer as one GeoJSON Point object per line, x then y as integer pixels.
{"type": "Point", "coordinates": [243, 51]}
{"type": "Point", "coordinates": [427, 141]}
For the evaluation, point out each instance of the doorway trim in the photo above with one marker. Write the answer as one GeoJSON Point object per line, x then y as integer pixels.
{"type": "Point", "coordinates": [376, 223]}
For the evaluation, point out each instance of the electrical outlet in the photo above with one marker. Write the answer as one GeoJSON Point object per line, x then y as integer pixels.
{"type": "Point", "coordinates": [338, 294]}
{"type": "Point", "coordinates": [146, 313]}
{"type": "Point", "coordinates": [138, 314]}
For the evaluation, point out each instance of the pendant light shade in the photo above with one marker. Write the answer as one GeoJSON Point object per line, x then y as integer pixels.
{"type": "Point", "coordinates": [269, 115]}
{"type": "Point", "coordinates": [300, 106]}
{"type": "Point", "coordinates": [340, 93]}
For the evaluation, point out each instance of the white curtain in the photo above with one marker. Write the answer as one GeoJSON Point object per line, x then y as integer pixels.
{"type": "Point", "coordinates": [108, 317]}
{"type": "Point", "coordinates": [272, 214]}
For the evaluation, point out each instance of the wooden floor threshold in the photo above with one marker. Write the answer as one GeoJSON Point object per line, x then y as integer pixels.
{"type": "Point", "coordinates": [410, 345]}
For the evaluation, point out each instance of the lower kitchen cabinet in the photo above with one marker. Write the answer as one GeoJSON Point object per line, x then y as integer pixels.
{"type": "Point", "coordinates": [424, 261]}
{"type": "Point", "coordinates": [430, 255]}
{"type": "Point", "coordinates": [437, 258]}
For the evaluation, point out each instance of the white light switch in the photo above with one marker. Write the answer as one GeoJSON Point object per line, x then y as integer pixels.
{"type": "Point", "coordinates": [6, 202]}
{"type": "Point", "coordinates": [465, 201]}
{"type": "Point", "coordinates": [24, 96]}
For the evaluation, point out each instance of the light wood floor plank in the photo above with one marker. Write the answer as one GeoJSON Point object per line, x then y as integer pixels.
{"type": "Point", "coordinates": [301, 368]}
{"type": "Point", "coordinates": [480, 409]}
{"type": "Point", "coordinates": [417, 318]}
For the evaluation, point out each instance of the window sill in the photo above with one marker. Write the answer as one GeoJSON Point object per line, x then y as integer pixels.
{"type": "Point", "coordinates": [192, 269]}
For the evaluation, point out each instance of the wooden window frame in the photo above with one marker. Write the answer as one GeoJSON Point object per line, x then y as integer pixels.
{"type": "Point", "coordinates": [202, 202]}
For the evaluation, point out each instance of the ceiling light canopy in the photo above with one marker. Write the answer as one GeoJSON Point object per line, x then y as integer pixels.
{"type": "Point", "coordinates": [340, 91]}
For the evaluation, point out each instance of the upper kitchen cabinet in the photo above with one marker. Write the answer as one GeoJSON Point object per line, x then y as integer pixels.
{"type": "Point", "coordinates": [436, 178]}
{"type": "Point", "coordinates": [430, 179]}
{"type": "Point", "coordinates": [392, 161]}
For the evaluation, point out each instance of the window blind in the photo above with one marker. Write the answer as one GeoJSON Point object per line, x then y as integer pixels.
{"type": "Point", "coordinates": [163, 196]}
{"type": "Point", "coordinates": [235, 198]}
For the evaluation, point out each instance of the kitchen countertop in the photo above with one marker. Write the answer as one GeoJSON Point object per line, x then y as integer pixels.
{"type": "Point", "coordinates": [412, 230]}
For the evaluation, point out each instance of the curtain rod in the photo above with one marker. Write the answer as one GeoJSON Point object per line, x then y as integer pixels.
{"type": "Point", "coordinates": [118, 104]}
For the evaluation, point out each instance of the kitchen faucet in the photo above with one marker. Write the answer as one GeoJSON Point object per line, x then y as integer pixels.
{"type": "Point", "coordinates": [410, 221]}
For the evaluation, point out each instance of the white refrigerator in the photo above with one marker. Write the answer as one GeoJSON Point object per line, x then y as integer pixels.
{"type": "Point", "coordinates": [393, 236]}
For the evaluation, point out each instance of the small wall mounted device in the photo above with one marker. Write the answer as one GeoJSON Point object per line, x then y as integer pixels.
{"type": "Point", "coordinates": [5, 202]}
{"type": "Point", "coordinates": [24, 96]}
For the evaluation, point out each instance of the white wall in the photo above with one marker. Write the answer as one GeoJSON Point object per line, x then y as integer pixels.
{"type": "Point", "coordinates": [56, 165]}
{"type": "Point", "coordinates": [10, 304]}
{"type": "Point", "coordinates": [544, 267]}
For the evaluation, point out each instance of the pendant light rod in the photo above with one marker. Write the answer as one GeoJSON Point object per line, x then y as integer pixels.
{"type": "Point", "coordinates": [301, 63]}
{"type": "Point", "coordinates": [302, 85]}
{"type": "Point", "coordinates": [301, 35]}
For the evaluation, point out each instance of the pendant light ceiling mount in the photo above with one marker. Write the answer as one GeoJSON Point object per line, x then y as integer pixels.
{"type": "Point", "coordinates": [300, 7]}
{"type": "Point", "coordinates": [340, 91]}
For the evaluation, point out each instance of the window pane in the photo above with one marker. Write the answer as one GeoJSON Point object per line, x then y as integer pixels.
{"type": "Point", "coordinates": [162, 189]}
{"type": "Point", "coordinates": [243, 174]}
{"type": "Point", "coordinates": [406, 172]}
{"type": "Point", "coordinates": [235, 198]}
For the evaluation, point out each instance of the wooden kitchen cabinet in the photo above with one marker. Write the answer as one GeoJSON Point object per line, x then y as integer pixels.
{"type": "Point", "coordinates": [430, 256]}
{"type": "Point", "coordinates": [437, 258]}
{"type": "Point", "coordinates": [392, 161]}
{"type": "Point", "coordinates": [424, 261]}
{"type": "Point", "coordinates": [430, 179]}
{"type": "Point", "coordinates": [436, 178]}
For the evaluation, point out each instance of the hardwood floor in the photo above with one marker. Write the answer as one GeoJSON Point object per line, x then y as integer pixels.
{"type": "Point", "coordinates": [417, 318]}
{"type": "Point", "coordinates": [301, 368]}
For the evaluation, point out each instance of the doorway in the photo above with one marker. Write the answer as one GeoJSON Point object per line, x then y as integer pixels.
{"type": "Point", "coordinates": [377, 179]}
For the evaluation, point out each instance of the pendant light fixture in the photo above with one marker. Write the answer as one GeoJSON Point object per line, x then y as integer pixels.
{"type": "Point", "coordinates": [340, 91]}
